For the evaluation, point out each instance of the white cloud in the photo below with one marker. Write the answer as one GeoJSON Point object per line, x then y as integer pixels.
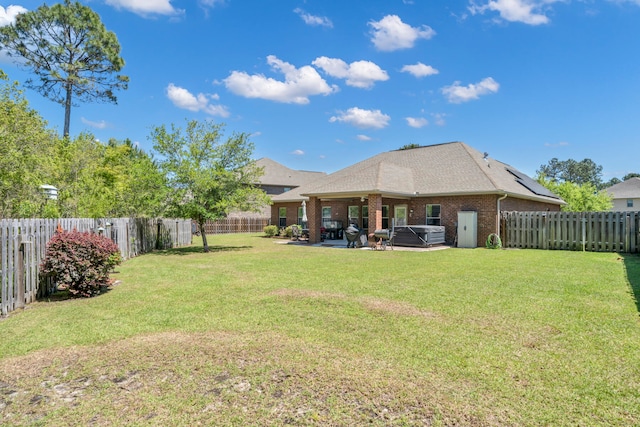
{"type": "Point", "coordinates": [146, 7]}
{"type": "Point", "coordinates": [390, 33]}
{"type": "Point", "coordinates": [298, 85]}
{"type": "Point", "coordinates": [8, 15]}
{"type": "Point", "coordinates": [184, 99]}
{"type": "Point", "coordinates": [417, 122]}
{"type": "Point", "coordinates": [526, 11]}
{"type": "Point", "coordinates": [362, 118]}
{"type": "Point", "coordinates": [439, 119]}
{"type": "Point", "coordinates": [556, 145]}
{"type": "Point", "coordinates": [312, 20]}
{"type": "Point", "coordinates": [98, 125]}
{"type": "Point", "coordinates": [363, 137]}
{"type": "Point", "coordinates": [297, 153]}
{"type": "Point", "coordinates": [457, 94]}
{"type": "Point", "coordinates": [361, 74]}
{"type": "Point", "coordinates": [419, 70]}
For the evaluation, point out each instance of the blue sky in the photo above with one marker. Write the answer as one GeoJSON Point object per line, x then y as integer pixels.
{"type": "Point", "coordinates": [321, 84]}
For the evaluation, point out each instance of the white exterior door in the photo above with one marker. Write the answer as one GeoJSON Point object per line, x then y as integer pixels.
{"type": "Point", "coordinates": [400, 215]}
{"type": "Point", "coordinates": [468, 229]}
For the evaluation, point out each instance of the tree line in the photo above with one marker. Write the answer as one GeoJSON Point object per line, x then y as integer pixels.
{"type": "Point", "coordinates": [199, 174]}
{"type": "Point", "coordinates": [94, 179]}
{"type": "Point", "coordinates": [579, 183]}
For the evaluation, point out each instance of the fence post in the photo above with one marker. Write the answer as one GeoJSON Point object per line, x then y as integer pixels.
{"type": "Point", "coordinates": [584, 232]}
{"type": "Point", "coordinates": [19, 280]}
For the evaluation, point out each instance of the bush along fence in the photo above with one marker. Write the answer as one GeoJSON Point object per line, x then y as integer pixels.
{"type": "Point", "coordinates": [23, 245]}
{"type": "Point", "coordinates": [236, 225]}
{"type": "Point", "coordinates": [588, 231]}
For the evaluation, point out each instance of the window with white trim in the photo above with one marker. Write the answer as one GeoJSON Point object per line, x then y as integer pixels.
{"type": "Point", "coordinates": [282, 217]}
{"type": "Point", "coordinates": [326, 215]}
{"type": "Point", "coordinates": [365, 216]}
{"type": "Point", "coordinates": [433, 214]}
{"type": "Point", "coordinates": [354, 215]}
{"type": "Point", "coordinates": [385, 216]}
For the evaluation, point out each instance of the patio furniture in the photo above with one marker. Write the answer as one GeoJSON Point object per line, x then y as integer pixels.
{"type": "Point", "coordinates": [296, 232]}
{"type": "Point", "coordinates": [353, 233]}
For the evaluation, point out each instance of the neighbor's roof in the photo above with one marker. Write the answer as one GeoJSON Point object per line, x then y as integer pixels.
{"type": "Point", "coordinates": [629, 189]}
{"type": "Point", "coordinates": [278, 174]}
{"type": "Point", "coordinates": [436, 170]}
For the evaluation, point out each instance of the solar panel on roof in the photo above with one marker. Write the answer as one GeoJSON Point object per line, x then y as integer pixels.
{"type": "Point", "coordinates": [531, 185]}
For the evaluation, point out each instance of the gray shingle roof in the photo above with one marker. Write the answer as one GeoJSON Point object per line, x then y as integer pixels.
{"type": "Point", "coordinates": [280, 175]}
{"type": "Point", "coordinates": [445, 169]}
{"type": "Point", "coordinates": [629, 189]}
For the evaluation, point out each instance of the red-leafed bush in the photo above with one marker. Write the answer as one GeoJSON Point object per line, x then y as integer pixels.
{"type": "Point", "coordinates": [80, 262]}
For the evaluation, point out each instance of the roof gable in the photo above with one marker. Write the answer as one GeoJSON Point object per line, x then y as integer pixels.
{"type": "Point", "coordinates": [280, 175]}
{"type": "Point", "coordinates": [629, 189]}
{"type": "Point", "coordinates": [445, 169]}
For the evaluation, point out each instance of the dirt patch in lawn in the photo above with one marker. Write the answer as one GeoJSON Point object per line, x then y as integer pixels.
{"type": "Point", "coordinates": [216, 379]}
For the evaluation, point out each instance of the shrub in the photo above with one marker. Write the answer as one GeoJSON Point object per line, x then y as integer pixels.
{"type": "Point", "coordinates": [80, 262]}
{"type": "Point", "coordinates": [271, 230]}
{"type": "Point", "coordinates": [286, 231]}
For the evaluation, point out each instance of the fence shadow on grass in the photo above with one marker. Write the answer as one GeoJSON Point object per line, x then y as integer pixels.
{"type": "Point", "coordinates": [188, 250]}
{"type": "Point", "coordinates": [65, 295]}
{"type": "Point", "coordinates": [632, 267]}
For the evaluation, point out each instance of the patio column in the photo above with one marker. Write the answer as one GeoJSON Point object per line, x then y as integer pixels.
{"type": "Point", "coordinates": [375, 212]}
{"type": "Point", "coordinates": [314, 215]}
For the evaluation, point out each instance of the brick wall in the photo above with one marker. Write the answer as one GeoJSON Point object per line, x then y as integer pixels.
{"type": "Point", "coordinates": [484, 205]}
{"type": "Point", "coordinates": [292, 212]}
{"type": "Point", "coordinates": [511, 204]}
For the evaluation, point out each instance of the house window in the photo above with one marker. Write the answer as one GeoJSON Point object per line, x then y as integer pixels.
{"type": "Point", "coordinates": [365, 217]}
{"type": "Point", "coordinates": [326, 216]}
{"type": "Point", "coordinates": [285, 189]}
{"type": "Point", "coordinates": [282, 217]}
{"type": "Point", "coordinates": [629, 203]}
{"type": "Point", "coordinates": [299, 215]}
{"type": "Point", "coordinates": [433, 214]}
{"type": "Point", "coordinates": [354, 215]}
{"type": "Point", "coordinates": [385, 216]}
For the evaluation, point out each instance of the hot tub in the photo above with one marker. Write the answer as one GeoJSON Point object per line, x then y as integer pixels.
{"type": "Point", "coordinates": [418, 235]}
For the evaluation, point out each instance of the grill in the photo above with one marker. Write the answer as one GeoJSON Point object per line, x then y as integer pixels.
{"type": "Point", "coordinates": [353, 234]}
{"type": "Point", "coordinates": [382, 238]}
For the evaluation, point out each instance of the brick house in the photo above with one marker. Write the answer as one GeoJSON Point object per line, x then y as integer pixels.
{"type": "Point", "coordinates": [277, 179]}
{"type": "Point", "coordinates": [427, 185]}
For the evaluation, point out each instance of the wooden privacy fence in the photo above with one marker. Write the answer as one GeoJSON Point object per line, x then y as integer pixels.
{"type": "Point", "coordinates": [23, 245]}
{"type": "Point", "coordinates": [589, 231]}
{"type": "Point", "coordinates": [236, 225]}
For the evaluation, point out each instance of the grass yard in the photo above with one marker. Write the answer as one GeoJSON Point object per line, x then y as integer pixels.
{"type": "Point", "coordinates": [258, 333]}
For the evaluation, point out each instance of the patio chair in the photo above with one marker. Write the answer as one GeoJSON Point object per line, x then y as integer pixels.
{"type": "Point", "coordinates": [296, 232]}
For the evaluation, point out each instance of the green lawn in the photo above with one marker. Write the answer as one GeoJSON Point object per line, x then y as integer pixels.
{"type": "Point", "coordinates": [259, 333]}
